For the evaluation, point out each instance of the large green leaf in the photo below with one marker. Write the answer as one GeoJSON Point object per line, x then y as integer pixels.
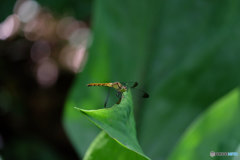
{"type": "Point", "coordinates": [215, 130]}
{"type": "Point", "coordinates": [118, 122]}
{"type": "Point", "coordinates": [105, 147]}
{"type": "Point", "coordinates": [186, 53]}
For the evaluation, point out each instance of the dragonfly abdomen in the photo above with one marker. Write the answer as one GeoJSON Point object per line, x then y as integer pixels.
{"type": "Point", "coordinates": [100, 84]}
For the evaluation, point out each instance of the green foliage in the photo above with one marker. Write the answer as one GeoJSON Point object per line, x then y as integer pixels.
{"type": "Point", "coordinates": [80, 9]}
{"type": "Point", "coordinates": [104, 147]}
{"type": "Point", "coordinates": [186, 53]}
{"type": "Point", "coordinates": [6, 8]}
{"type": "Point", "coordinates": [118, 122]}
{"type": "Point", "coordinates": [215, 130]}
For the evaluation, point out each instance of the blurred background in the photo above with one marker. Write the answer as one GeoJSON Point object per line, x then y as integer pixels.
{"type": "Point", "coordinates": [184, 53]}
{"type": "Point", "coordinates": [42, 48]}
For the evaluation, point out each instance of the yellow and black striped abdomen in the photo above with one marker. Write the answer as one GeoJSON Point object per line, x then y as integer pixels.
{"type": "Point", "coordinates": [100, 84]}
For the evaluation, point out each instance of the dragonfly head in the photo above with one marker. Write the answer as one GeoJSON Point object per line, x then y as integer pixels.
{"type": "Point", "coordinates": [123, 89]}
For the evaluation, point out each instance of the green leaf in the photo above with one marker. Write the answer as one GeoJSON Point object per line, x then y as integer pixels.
{"type": "Point", "coordinates": [81, 132]}
{"type": "Point", "coordinates": [105, 147]}
{"type": "Point", "coordinates": [118, 122]}
{"type": "Point", "coordinates": [217, 129]}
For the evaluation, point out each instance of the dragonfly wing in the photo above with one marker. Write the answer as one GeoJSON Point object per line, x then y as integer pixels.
{"type": "Point", "coordinates": [112, 96]}
{"type": "Point", "coordinates": [130, 84]}
{"type": "Point", "coordinates": [138, 93]}
{"type": "Point", "coordinates": [145, 95]}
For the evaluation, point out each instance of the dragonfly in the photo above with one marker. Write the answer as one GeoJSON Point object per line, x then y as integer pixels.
{"type": "Point", "coordinates": [120, 87]}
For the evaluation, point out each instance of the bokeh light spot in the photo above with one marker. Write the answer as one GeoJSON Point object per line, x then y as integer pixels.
{"type": "Point", "coordinates": [28, 10]}
{"type": "Point", "coordinates": [40, 50]}
{"type": "Point", "coordinates": [47, 73]}
{"type": "Point", "coordinates": [73, 57]}
{"type": "Point", "coordinates": [9, 27]}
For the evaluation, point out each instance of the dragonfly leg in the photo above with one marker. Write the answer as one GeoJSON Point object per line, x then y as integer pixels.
{"type": "Point", "coordinates": [106, 100]}
{"type": "Point", "coordinates": [119, 100]}
{"type": "Point", "coordinates": [119, 95]}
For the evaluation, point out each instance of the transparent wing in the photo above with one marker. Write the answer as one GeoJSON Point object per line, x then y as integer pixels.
{"type": "Point", "coordinates": [130, 84]}
{"type": "Point", "coordinates": [141, 92]}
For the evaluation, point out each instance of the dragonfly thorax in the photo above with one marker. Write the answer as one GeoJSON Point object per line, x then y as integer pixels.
{"type": "Point", "coordinates": [119, 87]}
